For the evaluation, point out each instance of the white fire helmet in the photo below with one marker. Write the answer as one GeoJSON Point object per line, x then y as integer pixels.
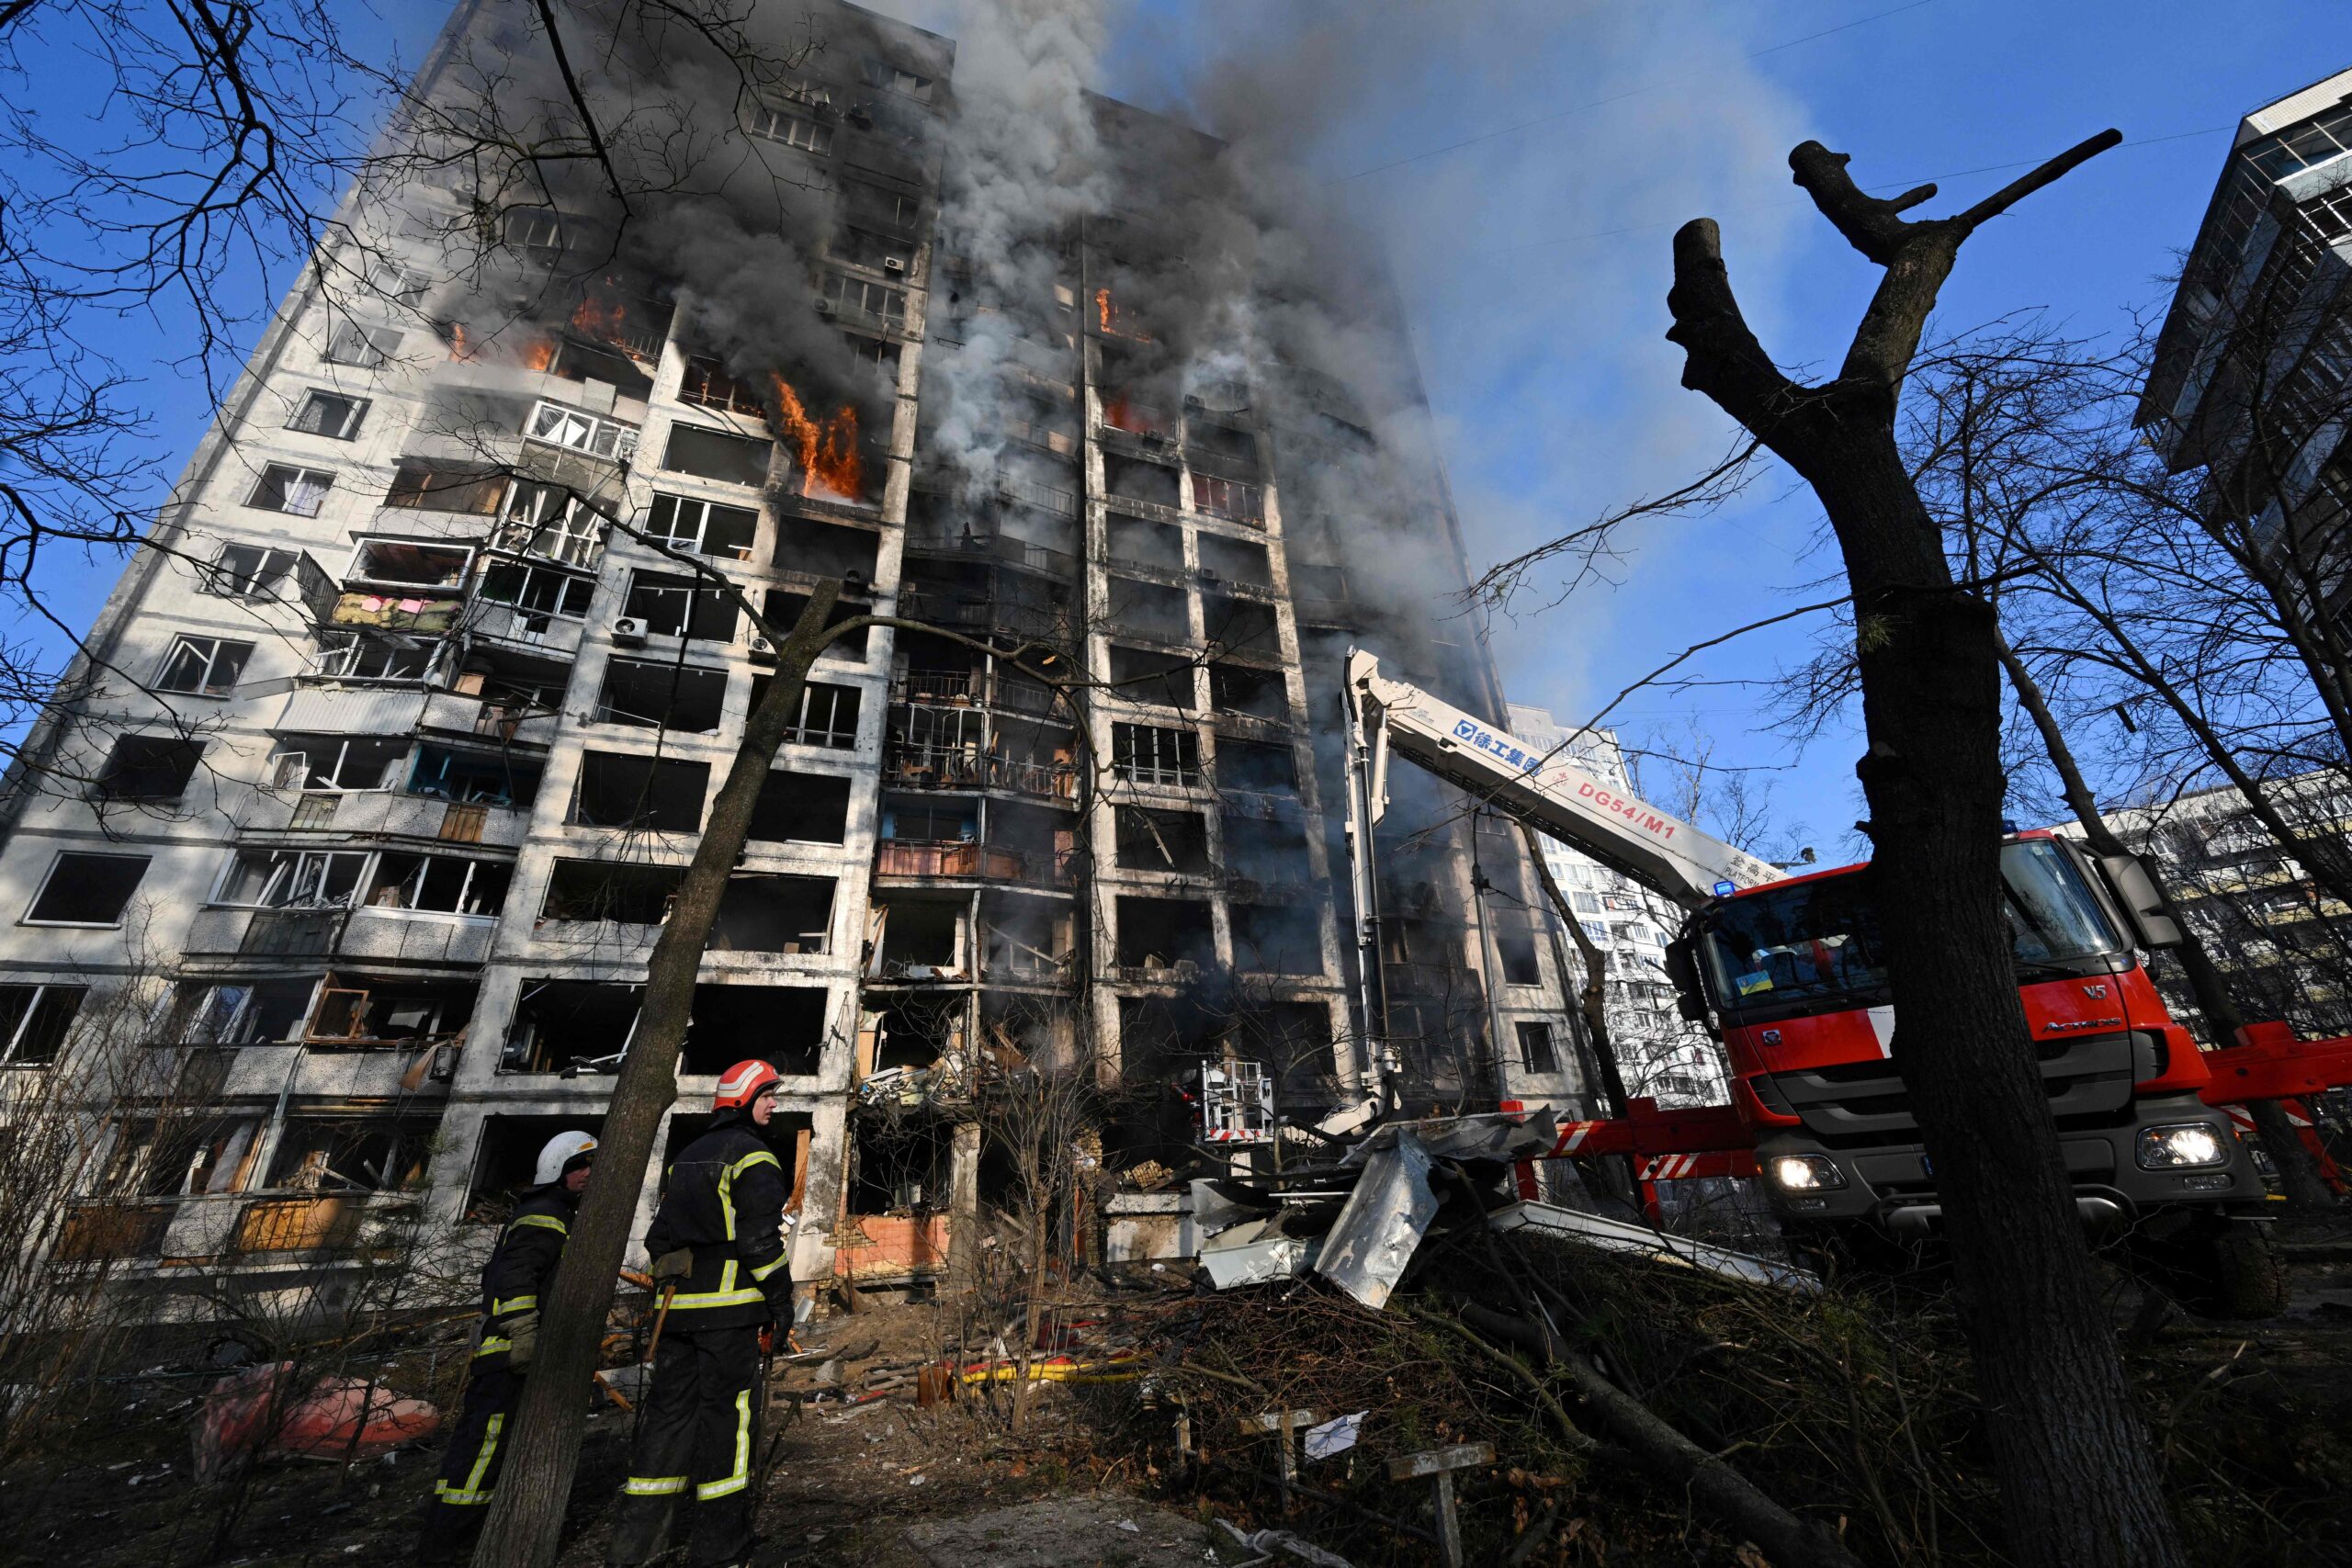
{"type": "Point", "coordinates": [559, 1152]}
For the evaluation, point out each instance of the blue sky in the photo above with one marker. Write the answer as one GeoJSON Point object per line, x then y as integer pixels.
{"type": "Point", "coordinates": [1534, 264]}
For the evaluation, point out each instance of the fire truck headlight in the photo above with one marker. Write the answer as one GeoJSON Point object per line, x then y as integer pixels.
{"type": "Point", "coordinates": [2182, 1145]}
{"type": "Point", "coordinates": [1805, 1173]}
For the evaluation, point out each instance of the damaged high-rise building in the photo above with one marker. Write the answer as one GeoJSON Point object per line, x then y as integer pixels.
{"type": "Point", "coordinates": [390, 751]}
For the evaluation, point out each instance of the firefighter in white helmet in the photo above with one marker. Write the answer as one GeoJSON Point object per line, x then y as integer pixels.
{"type": "Point", "coordinates": [718, 1245]}
{"type": "Point", "coordinates": [518, 1274]}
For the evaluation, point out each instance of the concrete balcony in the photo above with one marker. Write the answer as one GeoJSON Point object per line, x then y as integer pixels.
{"type": "Point", "coordinates": [458, 713]}
{"type": "Point", "coordinates": [386, 814]}
{"type": "Point", "coordinates": [394, 935]}
{"type": "Point", "coordinates": [368, 1070]}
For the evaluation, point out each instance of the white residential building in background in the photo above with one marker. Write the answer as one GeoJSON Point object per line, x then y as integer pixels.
{"type": "Point", "coordinates": [1660, 1054]}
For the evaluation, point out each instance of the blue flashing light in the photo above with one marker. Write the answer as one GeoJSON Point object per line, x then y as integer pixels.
{"type": "Point", "coordinates": [1725, 889]}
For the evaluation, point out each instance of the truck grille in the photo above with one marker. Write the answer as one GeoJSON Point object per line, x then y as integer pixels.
{"type": "Point", "coordinates": [2088, 1079]}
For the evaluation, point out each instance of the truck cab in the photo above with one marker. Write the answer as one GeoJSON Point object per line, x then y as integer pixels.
{"type": "Point", "coordinates": [1794, 974]}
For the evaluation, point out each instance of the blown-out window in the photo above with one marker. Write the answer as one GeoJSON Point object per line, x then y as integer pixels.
{"type": "Point", "coordinates": [203, 666]}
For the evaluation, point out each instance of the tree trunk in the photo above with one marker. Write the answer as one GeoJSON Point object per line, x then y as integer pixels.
{"type": "Point", "coordinates": [525, 1520]}
{"type": "Point", "coordinates": [2298, 1173]}
{"type": "Point", "coordinates": [2079, 1483]}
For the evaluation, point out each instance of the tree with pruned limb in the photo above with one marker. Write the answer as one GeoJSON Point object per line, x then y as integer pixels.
{"type": "Point", "coordinates": [2079, 1482]}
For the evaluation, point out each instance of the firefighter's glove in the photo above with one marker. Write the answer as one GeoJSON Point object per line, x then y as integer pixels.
{"type": "Point", "coordinates": [674, 1264]}
{"type": "Point", "coordinates": [522, 1338]}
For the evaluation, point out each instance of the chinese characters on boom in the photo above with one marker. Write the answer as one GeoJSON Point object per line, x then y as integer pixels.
{"type": "Point", "coordinates": [1526, 761]}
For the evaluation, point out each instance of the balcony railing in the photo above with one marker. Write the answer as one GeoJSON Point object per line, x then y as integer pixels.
{"type": "Point", "coordinates": [972, 688]}
{"type": "Point", "coordinates": [966, 860]}
{"type": "Point", "coordinates": [1016, 964]}
{"type": "Point", "coordinates": [956, 768]}
{"type": "Point", "coordinates": [998, 546]}
{"type": "Point", "coordinates": [101, 1230]}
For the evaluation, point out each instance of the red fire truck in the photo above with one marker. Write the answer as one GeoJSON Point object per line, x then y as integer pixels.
{"type": "Point", "coordinates": [1788, 972]}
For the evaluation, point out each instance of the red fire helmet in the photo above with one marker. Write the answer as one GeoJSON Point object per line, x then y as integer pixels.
{"type": "Point", "coordinates": [743, 1083]}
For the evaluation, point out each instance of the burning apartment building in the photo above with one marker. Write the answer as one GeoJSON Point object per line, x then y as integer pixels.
{"type": "Point", "coordinates": [389, 752]}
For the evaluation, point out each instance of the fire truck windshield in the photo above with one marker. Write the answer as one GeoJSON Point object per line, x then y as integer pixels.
{"type": "Point", "coordinates": [1818, 940]}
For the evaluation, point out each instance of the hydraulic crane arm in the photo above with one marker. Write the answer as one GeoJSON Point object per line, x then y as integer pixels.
{"type": "Point", "coordinates": [1545, 791]}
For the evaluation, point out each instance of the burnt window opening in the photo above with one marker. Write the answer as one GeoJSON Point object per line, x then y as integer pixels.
{"type": "Point", "coordinates": [1143, 754]}
{"type": "Point", "coordinates": [1517, 948]}
{"type": "Point", "coordinates": [1277, 938]}
{"type": "Point", "coordinates": [507, 1158]}
{"type": "Point", "coordinates": [1134, 479]}
{"type": "Point", "coordinates": [1026, 941]}
{"type": "Point", "coordinates": [364, 656]}
{"type": "Point", "coordinates": [480, 778]}
{"type": "Point", "coordinates": [1157, 934]}
{"type": "Point", "coordinates": [446, 885]}
{"type": "Point", "coordinates": [1235, 561]}
{"type": "Point", "coordinates": [1243, 625]}
{"type": "Point", "coordinates": [1269, 851]}
{"type": "Point", "coordinates": [684, 524]}
{"type": "Point", "coordinates": [625, 893]}
{"type": "Point", "coordinates": [536, 592]}
{"type": "Point", "coordinates": [1249, 691]}
{"type": "Point", "coordinates": [763, 913]}
{"type": "Point", "coordinates": [148, 768]}
{"type": "Point", "coordinates": [1148, 610]}
{"type": "Point", "coordinates": [575, 360]}
{"type": "Point", "coordinates": [673, 606]}
{"type": "Point", "coordinates": [423, 485]}
{"type": "Point", "coordinates": [292, 879]}
{"type": "Point", "coordinates": [915, 819]}
{"type": "Point", "coordinates": [921, 939]}
{"type": "Point", "coordinates": [241, 1013]}
{"type": "Point", "coordinates": [828, 714]}
{"type": "Point", "coordinates": [329, 1154]}
{"type": "Point", "coordinates": [657, 696]}
{"type": "Point", "coordinates": [716, 455]}
{"type": "Point", "coordinates": [1253, 767]}
{"type": "Point", "coordinates": [918, 1031]}
{"type": "Point", "coordinates": [869, 248]}
{"type": "Point", "coordinates": [365, 1009]}
{"type": "Point", "coordinates": [570, 1023]}
{"type": "Point", "coordinates": [808, 808]}
{"type": "Point", "coordinates": [826, 549]}
{"type": "Point", "coordinates": [782, 609]}
{"type": "Point", "coordinates": [1142, 675]}
{"type": "Point", "coordinates": [658, 795]}
{"type": "Point", "coordinates": [1537, 1052]}
{"type": "Point", "coordinates": [1232, 499]}
{"type": "Point", "coordinates": [900, 1167]}
{"type": "Point", "coordinates": [336, 761]}
{"type": "Point", "coordinates": [1221, 441]}
{"type": "Point", "coordinates": [782, 1025]}
{"type": "Point", "coordinates": [1295, 1040]}
{"type": "Point", "coordinates": [707, 384]}
{"type": "Point", "coordinates": [1170, 841]}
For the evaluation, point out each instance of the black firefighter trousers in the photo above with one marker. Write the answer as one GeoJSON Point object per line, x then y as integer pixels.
{"type": "Point", "coordinates": [696, 1429]}
{"type": "Point", "coordinates": [469, 1470]}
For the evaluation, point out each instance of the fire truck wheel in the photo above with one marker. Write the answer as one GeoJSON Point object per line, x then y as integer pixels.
{"type": "Point", "coordinates": [2221, 1268]}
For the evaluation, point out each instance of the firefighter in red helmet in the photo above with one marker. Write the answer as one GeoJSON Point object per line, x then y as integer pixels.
{"type": "Point", "coordinates": [717, 1244]}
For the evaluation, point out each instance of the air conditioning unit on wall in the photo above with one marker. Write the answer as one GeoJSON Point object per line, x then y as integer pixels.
{"type": "Point", "coordinates": [629, 631]}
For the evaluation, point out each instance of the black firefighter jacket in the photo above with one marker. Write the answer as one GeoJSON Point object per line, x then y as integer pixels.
{"type": "Point", "coordinates": [526, 1259]}
{"type": "Point", "coordinates": [725, 1202]}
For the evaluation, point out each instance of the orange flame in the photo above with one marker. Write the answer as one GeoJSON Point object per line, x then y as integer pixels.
{"type": "Point", "coordinates": [601, 314]}
{"type": "Point", "coordinates": [829, 463]}
{"type": "Point", "coordinates": [456, 340]}
{"type": "Point", "coordinates": [1102, 308]}
{"type": "Point", "coordinates": [538, 353]}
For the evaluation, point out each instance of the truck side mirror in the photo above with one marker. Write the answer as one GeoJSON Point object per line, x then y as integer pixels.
{"type": "Point", "coordinates": [2136, 891]}
{"type": "Point", "coordinates": [1682, 968]}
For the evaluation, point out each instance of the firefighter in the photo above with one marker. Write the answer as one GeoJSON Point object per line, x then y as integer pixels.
{"type": "Point", "coordinates": [518, 1272]}
{"type": "Point", "coordinates": [719, 1258]}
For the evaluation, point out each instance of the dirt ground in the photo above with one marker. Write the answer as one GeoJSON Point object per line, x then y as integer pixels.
{"type": "Point", "coordinates": [863, 1477]}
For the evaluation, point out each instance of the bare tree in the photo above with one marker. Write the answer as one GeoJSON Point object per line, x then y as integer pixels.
{"type": "Point", "coordinates": [2077, 1478]}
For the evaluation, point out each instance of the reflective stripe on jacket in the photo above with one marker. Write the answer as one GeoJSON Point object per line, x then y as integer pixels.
{"type": "Point", "coordinates": [519, 1270]}
{"type": "Point", "coordinates": [725, 1202]}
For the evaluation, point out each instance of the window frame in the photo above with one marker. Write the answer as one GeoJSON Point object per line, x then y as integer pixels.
{"type": "Point", "coordinates": [358, 345]}
{"type": "Point", "coordinates": [1528, 1030]}
{"type": "Point", "coordinates": [677, 506]}
{"type": "Point", "coordinates": [352, 423]}
{"type": "Point", "coordinates": [621, 448]}
{"type": "Point", "coordinates": [294, 863]}
{"type": "Point", "coordinates": [29, 918]}
{"type": "Point", "coordinates": [1176, 773]}
{"type": "Point", "coordinates": [204, 688]}
{"type": "Point", "coordinates": [293, 487]}
{"type": "Point", "coordinates": [465, 552]}
{"type": "Point", "coordinates": [786, 128]}
{"type": "Point", "coordinates": [215, 578]}
{"type": "Point", "coordinates": [524, 520]}
{"type": "Point", "coordinates": [14, 1041]}
{"type": "Point", "coordinates": [326, 660]}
